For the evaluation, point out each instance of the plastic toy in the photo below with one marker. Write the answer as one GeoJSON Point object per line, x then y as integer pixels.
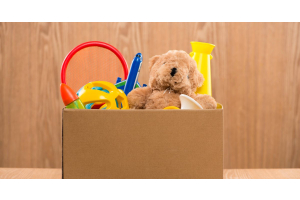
{"type": "Point", "coordinates": [171, 108]}
{"type": "Point", "coordinates": [131, 82]}
{"type": "Point", "coordinates": [69, 97]}
{"type": "Point", "coordinates": [189, 103]}
{"type": "Point", "coordinates": [202, 55]}
{"type": "Point", "coordinates": [133, 73]}
{"type": "Point", "coordinates": [114, 99]}
{"type": "Point", "coordinates": [95, 105]}
{"type": "Point", "coordinates": [186, 103]}
{"type": "Point", "coordinates": [92, 61]}
{"type": "Point", "coordinates": [121, 84]}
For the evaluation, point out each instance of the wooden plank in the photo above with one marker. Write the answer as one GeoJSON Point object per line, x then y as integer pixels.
{"type": "Point", "coordinates": [30, 173]}
{"type": "Point", "coordinates": [40, 173]}
{"type": "Point", "coordinates": [261, 174]}
{"type": "Point", "coordinates": [262, 95]}
{"type": "Point", "coordinates": [255, 75]}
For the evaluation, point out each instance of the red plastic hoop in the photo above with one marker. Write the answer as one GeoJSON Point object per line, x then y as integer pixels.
{"type": "Point", "coordinates": [89, 44]}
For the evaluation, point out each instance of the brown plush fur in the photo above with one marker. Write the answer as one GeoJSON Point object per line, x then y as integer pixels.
{"type": "Point", "coordinates": [167, 83]}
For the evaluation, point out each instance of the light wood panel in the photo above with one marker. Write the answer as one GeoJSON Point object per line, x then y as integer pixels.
{"type": "Point", "coordinates": [39, 173]}
{"type": "Point", "coordinates": [255, 75]}
{"type": "Point", "coordinates": [261, 173]}
{"type": "Point", "coordinates": [30, 173]}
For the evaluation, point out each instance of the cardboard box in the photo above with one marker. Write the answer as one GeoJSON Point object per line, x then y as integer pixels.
{"type": "Point", "coordinates": [142, 144]}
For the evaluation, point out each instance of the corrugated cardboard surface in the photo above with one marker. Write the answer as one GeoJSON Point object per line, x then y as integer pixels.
{"type": "Point", "coordinates": [142, 143]}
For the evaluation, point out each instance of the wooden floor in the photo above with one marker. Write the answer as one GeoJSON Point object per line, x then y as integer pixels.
{"type": "Point", "coordinates": [43, 173]}
{"type": "Point", "coordinates": [261, 174]}
{"type": "Point", "coordinates": [30, 173]}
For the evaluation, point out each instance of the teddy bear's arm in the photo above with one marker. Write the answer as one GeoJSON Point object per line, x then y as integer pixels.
{"type": "Point", "coordinates": [138, 97]}
{"type": "Point", "coordinates": [206, 101]}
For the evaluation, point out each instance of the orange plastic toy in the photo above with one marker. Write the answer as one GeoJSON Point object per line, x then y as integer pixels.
{"type": "Point", "coordinates": [69, 97]}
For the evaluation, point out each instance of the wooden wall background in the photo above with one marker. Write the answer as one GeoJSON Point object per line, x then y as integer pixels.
{"type": "Point", "coordinates": [255, 75]}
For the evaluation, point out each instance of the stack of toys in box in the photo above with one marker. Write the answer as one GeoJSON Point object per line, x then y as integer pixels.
{"type": "Point", "coordinates": [177, 81]}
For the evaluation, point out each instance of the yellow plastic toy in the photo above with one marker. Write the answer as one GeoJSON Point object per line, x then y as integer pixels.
{"type": "Point", "coordinates": [171, 108]}
{"type": "Point", "coordinates": [202, 55]}
{"type": "Point", "coordinates": [88, 95]}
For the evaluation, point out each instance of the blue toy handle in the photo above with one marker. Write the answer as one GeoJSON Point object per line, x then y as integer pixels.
{"type": "Point", "coordinates": [133, 73]}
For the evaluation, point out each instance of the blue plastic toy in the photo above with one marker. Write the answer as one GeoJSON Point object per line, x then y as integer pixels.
{"type": "Point", "coordinates": [131, 82]}
{"type": "Point", "coordinates": [133, 73]}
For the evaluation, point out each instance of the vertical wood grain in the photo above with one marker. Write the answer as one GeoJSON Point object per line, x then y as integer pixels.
{"type": "Point", "coordinates": [262, 128]}
{"type": "Point", "coordinates": [31, 101]}
{"type": "Point", "coordinates": [255, 75]}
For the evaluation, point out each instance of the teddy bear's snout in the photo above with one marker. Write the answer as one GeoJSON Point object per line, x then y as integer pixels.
{"type": "Point", "coordinates": [173, 71]}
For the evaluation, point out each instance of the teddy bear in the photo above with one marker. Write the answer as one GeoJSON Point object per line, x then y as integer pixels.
{"type": "Point", "coordinates": [171, 74]}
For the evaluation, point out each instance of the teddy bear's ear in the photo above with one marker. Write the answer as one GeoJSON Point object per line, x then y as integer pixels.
{"type": "Point", "coordinates": [153, 60]}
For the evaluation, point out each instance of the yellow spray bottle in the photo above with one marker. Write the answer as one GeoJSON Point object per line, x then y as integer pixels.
{"type": "Point", "coordinates": [202, 55]}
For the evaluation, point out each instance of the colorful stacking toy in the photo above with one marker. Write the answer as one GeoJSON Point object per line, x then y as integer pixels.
{"type": "Point", "coordinates": [99, 92]}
